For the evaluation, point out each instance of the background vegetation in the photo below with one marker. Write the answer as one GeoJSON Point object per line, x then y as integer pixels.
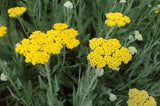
{"type": "Point", "coordinates": [73, 83]}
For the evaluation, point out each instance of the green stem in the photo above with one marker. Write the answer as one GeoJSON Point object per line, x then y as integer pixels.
{"type": "Point", "coordinates": [64, 57]}
{"type": "Point", "coordinates": [12, 83]}
{"type": "Point", "coordinates": [109, 32]}
{"type": "Point", "coordinates": [19, 19]}
{"type": "Point", "coordinates": [49, 78]}
{"type": "Point", "coordinates": [69, 15]}
{"type": "Point", "coordinates": [122, 7]}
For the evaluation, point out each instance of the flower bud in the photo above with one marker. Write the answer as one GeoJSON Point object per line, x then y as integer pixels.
{"type": "Point", "coordinates": [68, 5]}
{"type": "Point", "coordinates": [3, 77]}
{"type": "Point", "coordinates": [132, 50]}
{"type": "Point", "coordinates": [112, 97]}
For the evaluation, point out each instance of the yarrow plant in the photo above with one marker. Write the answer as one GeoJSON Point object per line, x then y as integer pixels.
{"type": "Point", "coordinates": [3, 30]}
{"type": "Point", "coordinates": [140, 98]}
{"type": "Point", "coordinates": [38, 66]}
{"type": "Point", "coordinates": [40, 46]}
{"type": "Point", "coordinates": [16, 11]}
{"type": "Point", "coordinates": [116, 19]}
{"type": "Point", "coordinates": [108, 52]}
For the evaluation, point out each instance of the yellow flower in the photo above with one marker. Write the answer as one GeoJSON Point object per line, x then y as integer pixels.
{"type": "Point", "coordinates": [40, 46]}
{"type": "Point", "coordinates": [140, 98]}
{"type": "Point", "coordinates": [66, 36]}
{"type": "Point", "coordinates": [107, 52]}
{"type": "Point", "coordinates": [60, 26]}
{"type": "Point", "coordinates": [3, 31]}
{"type": "Point", "coordinates": [120, 23]}
{"type": "Point", "coordinates": [72, 43]}
{"type": "Point", "coordinates": [114, 16]}
{"type": "Point", "coordinates": [156, 11]}
{"type": "Point", "coordinates": [126, 19]}
{"type": "Point", "coordinates": [116, 19]}
{"type": "Point", "coordinates": [150, 102]}
{"type": "Point", "coordinates": [16, 11]}
{"type": "Point", "coordinates": [34, 48]}
{"type": "Point", "coordinates": [110, 23]}
{"type": "Point", "coordinates": [96, 42]}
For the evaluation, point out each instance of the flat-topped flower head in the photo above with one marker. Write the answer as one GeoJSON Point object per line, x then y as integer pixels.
{"type": "Point", "coordinates": [3, 30]}
{"type": "Point", "coordinates": [16, 11]}
{"type": "Point", "coordinates": [116, 19]}
{"type": "Point", "coordinates": [140, 98]}
{"type": "Point", "coordinates": [37, 48]}
{"type": "Point", "coordinates": [40, 46]}
{"type": "Point", "coordinates": [107, 52]}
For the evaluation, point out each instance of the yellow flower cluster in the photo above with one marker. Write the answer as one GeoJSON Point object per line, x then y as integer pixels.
{"type": "Point", "coordinates": [3, 30]}
{"type": "Point", "coordinates": [156, 11]}
{"type": "Point", "coordinates": [117, 18]}
{"type": "Point", "coordinates": [66, 36]}
{"type": "Point", "coordinates": [16, 11]}
{"type": "Point", "coordinates": [107, 52]}
{"type": "Point", "coordinates": [39, 46]}
{"type": "Point", "coordinates": [140, 98]}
